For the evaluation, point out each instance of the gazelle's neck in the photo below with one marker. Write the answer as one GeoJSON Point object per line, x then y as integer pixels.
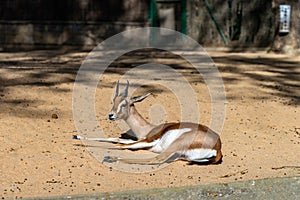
{"type": "Point", "coordinates": [138, 124]}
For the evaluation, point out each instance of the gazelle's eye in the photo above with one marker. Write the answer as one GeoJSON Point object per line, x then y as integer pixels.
{"type": "Point", "coordinates": [123, 104]}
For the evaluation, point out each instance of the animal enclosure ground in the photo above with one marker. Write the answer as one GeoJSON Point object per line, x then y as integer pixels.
{"type": "Point", "coordinates": [38, 157]}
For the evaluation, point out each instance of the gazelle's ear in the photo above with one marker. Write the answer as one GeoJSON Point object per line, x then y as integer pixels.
{"type": "Point", "coordinates": [139, 99]}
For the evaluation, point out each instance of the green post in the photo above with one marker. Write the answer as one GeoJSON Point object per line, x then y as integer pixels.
{"type": "Point", "coordinates": [183, 17]}
{"type": "Point", "coordinates": [152, 13]}
{"type": "Point", "coordinates": [152, 19]}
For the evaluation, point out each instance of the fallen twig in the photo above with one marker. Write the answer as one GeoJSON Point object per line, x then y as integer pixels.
{"type": "Point", "coordinates": [284, 167]}
{"type": "Point", "coordinates": [235, 173]}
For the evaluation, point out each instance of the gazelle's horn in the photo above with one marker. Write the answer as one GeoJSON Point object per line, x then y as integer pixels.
{"type": "Point", "coordinates": [117, 89]}
{"type": "Point", "coordinates": [125, 92]}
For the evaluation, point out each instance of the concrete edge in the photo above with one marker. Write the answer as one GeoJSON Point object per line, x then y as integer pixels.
{"type": "Point", "coordinates": [274, 188]}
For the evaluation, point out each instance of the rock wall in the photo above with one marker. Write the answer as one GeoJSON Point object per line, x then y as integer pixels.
{"type": "Point", "coordinates": [245, 24]}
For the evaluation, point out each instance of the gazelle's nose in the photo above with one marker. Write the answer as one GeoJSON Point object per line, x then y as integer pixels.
{"type": "Point", "coordinates": [111, 117]}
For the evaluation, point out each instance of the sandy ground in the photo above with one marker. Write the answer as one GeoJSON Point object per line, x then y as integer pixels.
{"type": "Point", "coordinates": [260, 138]}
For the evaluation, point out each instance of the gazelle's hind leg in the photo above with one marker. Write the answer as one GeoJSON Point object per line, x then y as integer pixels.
{"type": "Point", "coordinates": [159, 159]}
{"type": "Point", "coordinates": [218, 158]}
{"type": "Point", "coordinates": [168, 155]}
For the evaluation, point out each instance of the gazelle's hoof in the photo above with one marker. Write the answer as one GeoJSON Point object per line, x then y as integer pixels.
{"type": "Point", "coordinates": [78, 137]}
{"type": "Point", "coordinates": [109, 159]}
{"type": "Point", "coordinates": [75, 137]}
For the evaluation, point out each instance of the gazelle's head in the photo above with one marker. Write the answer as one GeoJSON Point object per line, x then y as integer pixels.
{"type": "Point", "coordinates": [121, 103]}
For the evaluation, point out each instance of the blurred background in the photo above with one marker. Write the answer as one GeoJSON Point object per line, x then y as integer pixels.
{"type": "Point", "coordinates": [236, 24]}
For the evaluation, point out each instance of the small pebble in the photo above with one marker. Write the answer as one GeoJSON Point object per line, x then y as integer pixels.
{"type": "Point", "coordinates": [54, 116]}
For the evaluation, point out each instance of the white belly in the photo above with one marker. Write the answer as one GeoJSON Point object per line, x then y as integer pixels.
{"type": "Point", "coordinates": [198, 155]}
{"type": "Point", "coordinates": [167, 139]}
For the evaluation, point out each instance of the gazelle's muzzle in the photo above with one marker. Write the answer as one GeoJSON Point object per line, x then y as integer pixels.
{"type": "Point", "coordinates": [111, 117]}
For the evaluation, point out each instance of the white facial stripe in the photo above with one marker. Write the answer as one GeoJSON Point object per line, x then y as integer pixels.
{"type": "Point", "coordinates": [123, 103]}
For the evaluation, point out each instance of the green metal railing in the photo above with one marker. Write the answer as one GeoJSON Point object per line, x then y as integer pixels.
{"type": "Point", "coordinates": [215, 21]}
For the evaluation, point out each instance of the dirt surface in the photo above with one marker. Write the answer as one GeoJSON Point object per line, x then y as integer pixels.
{"type": "Point", "coordinates": [261, 134]}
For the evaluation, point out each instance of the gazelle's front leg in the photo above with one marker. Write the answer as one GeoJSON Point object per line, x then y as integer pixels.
{"type": "Point", "coordinates": [136, 145]}
{"type": "Point", "coordinates": [111, 140]}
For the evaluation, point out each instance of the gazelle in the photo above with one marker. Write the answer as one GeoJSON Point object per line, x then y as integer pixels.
{"type": "Point", "coordinates": [192, 142]}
